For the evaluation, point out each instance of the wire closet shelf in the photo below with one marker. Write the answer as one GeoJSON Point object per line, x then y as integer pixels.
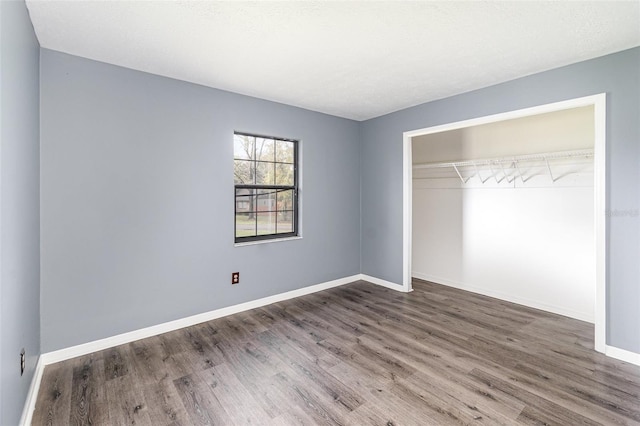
{"type": "Point", "coordinates": [507, 164]}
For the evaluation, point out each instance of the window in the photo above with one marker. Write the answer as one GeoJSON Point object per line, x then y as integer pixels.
{"type": "Point", "coordinates": [266, 187]}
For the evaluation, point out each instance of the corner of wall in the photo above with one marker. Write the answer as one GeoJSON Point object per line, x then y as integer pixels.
{"type": "Point", "coordinates": [360, 148]}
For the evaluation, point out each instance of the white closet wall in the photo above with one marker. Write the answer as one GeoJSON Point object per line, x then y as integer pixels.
{"type": "Point", "coordinates": [528, 242]}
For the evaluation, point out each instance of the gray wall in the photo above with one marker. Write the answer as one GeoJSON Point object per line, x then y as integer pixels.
{"type": "Point", "coordinates": [137, 200]}
{"type": "Point", "coordinates": [137, 184]}
{"type": "Point", "coordinates": [617, 74]}
{"type": "Point", "coordinates": [19, 207]}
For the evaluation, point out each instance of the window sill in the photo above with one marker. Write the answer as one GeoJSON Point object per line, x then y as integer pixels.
{"type": "Point", "coordinates": [275, 240]}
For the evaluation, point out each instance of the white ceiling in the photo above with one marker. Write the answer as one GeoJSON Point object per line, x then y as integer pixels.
{"type": "Point", "coordinates": [347, 58]}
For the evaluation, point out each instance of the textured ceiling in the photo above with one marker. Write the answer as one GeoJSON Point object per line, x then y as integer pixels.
{"type": "Point", "coordinates": [351, 59]}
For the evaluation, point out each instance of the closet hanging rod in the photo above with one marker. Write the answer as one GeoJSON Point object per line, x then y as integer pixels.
{"type": "Point", "coordinates": [558, 155]}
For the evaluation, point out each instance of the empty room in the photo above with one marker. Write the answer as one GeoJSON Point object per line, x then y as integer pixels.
{"type": "Point", "coordinates": [319, 212]}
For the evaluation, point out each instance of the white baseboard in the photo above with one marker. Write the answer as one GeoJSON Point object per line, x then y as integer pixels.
{"type": "Point", "coordinates": [32, 395]}
{"type": "Point", "coordinates": [98, 345]}
{"type": "Point", "coordinates": [582, 316]}
{"type": "Point", "coordinates": [109, 342]}
{"type": "Point", "coordinates": [86, 348]}
{"type": "Point", "coordinates": [383, 283]}
{"type": "Point", "coordinates": [622, 355]}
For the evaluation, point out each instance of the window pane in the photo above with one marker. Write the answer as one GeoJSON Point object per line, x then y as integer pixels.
{"type": "Point", "coordinates": [245, 212]}
{"type": "Point", "coordinates": [284, 174]}
{"type": "Point", "coordinates": [245, 225]}
{"type": "Point", "coordinates": [284, 152]}
{"type": "Point", "coordinates": [285, 222]}
{"type": "Point", "coordinates": [265, 173]}
{"type": "Point", "coordinates": [243, 146]}
{"type": "Point", "coordinates": [243, 171]}
{"type": "Point", "coordinates": [245, 200]}
{"type": "Point", "coordinates": [265, 149]}
{"type": "Point", "coordinates": [266, 200]}
{"type": "Point", "coordinates": [285, 199]}
{"type": "Point", "coordinates": [266, 223]}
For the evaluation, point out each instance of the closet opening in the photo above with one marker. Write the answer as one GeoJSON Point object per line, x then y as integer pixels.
{"type": "Point", "coordinates": [512, 206]}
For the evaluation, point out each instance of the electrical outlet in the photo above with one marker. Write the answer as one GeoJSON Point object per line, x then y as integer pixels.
{"type": "Point", "coordinates": [235, 277]}
{"type": "Point", "coordinates": [22, 361]}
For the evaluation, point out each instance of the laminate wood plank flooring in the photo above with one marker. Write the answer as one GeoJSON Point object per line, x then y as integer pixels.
{"type": "Point", "coordinates": [358, 354]}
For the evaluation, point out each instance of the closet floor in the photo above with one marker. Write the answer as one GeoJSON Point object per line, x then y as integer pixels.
{"type": "Point", "coordinates": [358, 354]}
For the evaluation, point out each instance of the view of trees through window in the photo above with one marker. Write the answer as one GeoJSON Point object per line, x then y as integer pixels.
{"type": "Point", "coordinates": [265, 187]}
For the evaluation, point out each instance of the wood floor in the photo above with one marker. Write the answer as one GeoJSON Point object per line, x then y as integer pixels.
{"type": "Point", "coordinates": [357, 354]}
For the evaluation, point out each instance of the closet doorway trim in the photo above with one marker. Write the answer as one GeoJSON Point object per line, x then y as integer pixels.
{"type": "Point", "coordinates": [599, 162]}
